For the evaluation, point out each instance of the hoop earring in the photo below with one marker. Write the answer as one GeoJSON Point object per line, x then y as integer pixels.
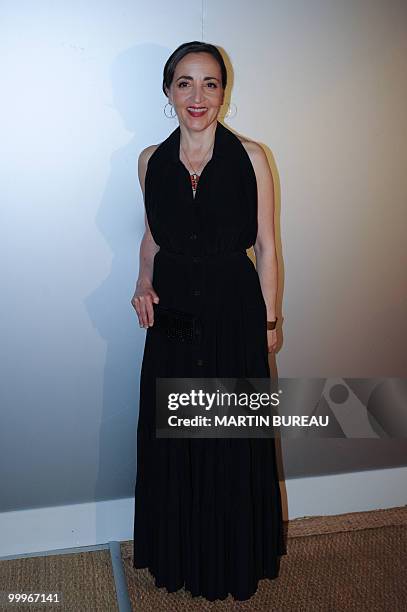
{"type": "Point", "coordinates": [229, 112]}
{"type": "Point", "coordinates": [171, 116]}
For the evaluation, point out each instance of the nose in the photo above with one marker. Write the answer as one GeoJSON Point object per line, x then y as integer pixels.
{"type": "Point", "coordinates": [197, 93]}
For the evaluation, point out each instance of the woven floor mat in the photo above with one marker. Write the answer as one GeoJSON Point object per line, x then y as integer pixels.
{"type": "Point", "coordinates": [355, 561]}
{"type": "Point", "coordinates": [84, 579]}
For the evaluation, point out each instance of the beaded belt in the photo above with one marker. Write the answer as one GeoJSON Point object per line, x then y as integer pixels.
{"type": "Point", "coordinates": [177, 324]}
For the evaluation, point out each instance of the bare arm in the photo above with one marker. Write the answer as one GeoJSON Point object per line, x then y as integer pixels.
{"type": "Point", "coordinates": [264, 248]}
{"type": "Point", "coordinates": [148, 247]}
{"type": "Point", "coordinates": [144, 293]}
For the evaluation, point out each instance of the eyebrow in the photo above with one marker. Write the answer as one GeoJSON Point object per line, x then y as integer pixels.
{"type": "Point", "coordinates": [207, 78]}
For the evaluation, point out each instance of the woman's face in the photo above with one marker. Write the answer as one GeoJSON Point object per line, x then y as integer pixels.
{"type": "Point", "coordinates": [196, 90]}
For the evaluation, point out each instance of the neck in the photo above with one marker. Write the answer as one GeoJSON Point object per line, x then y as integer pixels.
{"type": "Point", "coordinates": [196, 143]}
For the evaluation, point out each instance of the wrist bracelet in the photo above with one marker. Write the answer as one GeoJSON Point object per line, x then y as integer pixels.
{"type": "Point", "coordinates": [272, 324]}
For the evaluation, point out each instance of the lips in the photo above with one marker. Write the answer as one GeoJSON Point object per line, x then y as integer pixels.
{"type": "Point", "coordinates": [197, 111]}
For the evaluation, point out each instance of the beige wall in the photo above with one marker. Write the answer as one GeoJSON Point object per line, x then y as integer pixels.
{"type": "Point", "coordinates": [323, 85]}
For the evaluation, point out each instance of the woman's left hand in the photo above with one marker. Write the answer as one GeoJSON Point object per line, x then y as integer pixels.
{"type": "Point", "coordinates": [271, 340]}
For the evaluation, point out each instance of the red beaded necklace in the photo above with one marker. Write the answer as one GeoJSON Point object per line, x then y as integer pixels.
{"type": "Point", "coordinates": [194, 181]}
{"type": "Point", "coordinates": [194, 176]}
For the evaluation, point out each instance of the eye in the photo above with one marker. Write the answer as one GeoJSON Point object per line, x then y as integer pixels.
{"type": "Point", "coordinates": [212, 85]}
{"type": "Point", "coordinates": [182, 83]}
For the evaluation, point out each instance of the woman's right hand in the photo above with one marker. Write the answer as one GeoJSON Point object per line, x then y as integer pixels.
{"type": "Point", "coordinates": [142, 302]}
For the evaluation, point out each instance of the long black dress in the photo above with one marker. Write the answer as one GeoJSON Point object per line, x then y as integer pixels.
{"type": "Point", "coordinates": [207, 511]}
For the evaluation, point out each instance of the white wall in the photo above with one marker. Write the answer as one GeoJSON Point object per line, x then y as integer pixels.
{"type": "Point", "coordinates": [321, 83]}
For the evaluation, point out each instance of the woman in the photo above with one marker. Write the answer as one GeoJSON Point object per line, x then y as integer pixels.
{"type": "Point", "coordinates": [207, 511]}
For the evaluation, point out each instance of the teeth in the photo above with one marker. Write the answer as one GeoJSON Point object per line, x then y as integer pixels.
{"type": "Point", "coordinates": [197, 110]}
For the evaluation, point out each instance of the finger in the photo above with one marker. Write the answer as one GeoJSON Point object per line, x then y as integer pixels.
{"type": "Point", "coordinates": [135, 302]}
{"type": "Point", "coordinates": [150, 312]}
{"type": "Point", "coordinates": [143, 312]}
{"type": "Point", "coordinates": [272, 347]}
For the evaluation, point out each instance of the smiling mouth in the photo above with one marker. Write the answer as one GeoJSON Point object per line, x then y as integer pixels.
{"type": "Point", "coordinates": [197, 111]}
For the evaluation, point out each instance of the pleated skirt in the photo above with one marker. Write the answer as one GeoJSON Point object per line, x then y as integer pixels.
{"type": "Point", "coordinates": [208, 513]}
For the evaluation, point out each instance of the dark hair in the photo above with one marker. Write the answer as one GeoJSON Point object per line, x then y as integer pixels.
{"type": "Point", "coordinates": [191, 47]}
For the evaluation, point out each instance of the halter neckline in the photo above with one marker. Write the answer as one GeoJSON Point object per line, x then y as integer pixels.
{"type": "Point", "coordinates": [175, 140]}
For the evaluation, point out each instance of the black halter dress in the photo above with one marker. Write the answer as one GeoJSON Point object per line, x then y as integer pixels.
{"type": "Point", "coordinates": [207, 511]}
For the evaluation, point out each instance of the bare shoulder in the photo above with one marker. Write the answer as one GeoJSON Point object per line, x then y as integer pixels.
{"type": "Point", "coordinates": [255, 152]}
{"type": "Point", "coordinates": [146, 154]}
{"type": "Point", "coordinates": [262, 170]}
{"type": "Point", "coordinates": [143, 162]}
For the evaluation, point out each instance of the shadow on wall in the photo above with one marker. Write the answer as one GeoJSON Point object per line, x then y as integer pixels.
{"type": "Point", "coordinates": [136, 82]}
